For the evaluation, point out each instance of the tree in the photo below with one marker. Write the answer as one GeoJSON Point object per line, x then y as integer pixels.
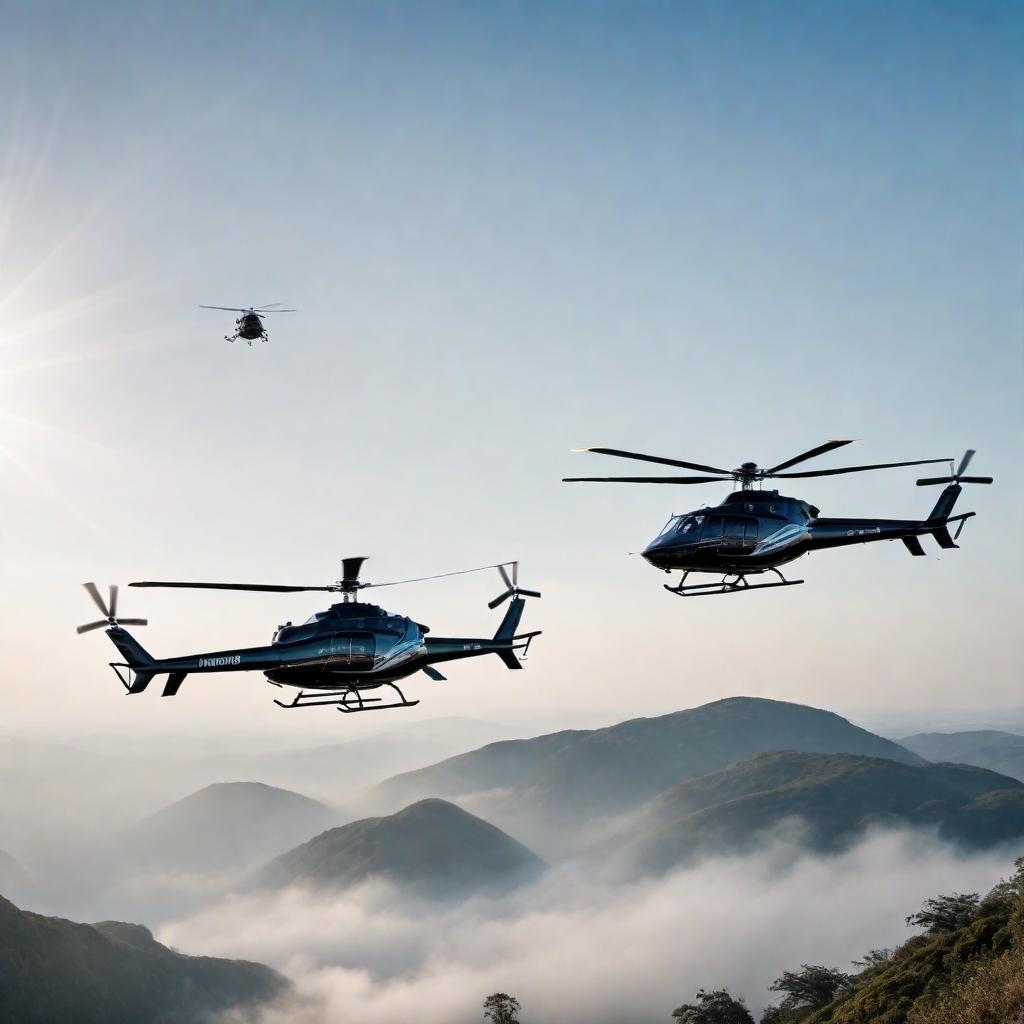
{"type": "Point", "coordinates": [716, 1007]}
{"type": "Point", "coordinates": [874, 958]}
{"type": "Point", "coordinates": [810, 988]}
{"type": "Point", "coordinates": [501, 1008]}
{"type": "Point", "coordinates": [945, 913]}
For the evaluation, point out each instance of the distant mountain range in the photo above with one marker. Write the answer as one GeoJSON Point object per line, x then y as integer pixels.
{"type": "Point", "coordinates": [229, 825]}
{"type": "Point", "coordinates": [551, 785]}
{"type": "Point", "coordinates": [836, 797]}
{"type": "Point", "coordinates": [1000, 751]}
{"type": "Point", "coordinates": [113, 973]}
{"type": "Point", "coordinates": [432, 847]}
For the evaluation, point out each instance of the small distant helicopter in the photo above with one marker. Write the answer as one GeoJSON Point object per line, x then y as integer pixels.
{"type": "Point", "coordinates": [754, 531]}
{"type": "Point", "coordinates": [249, 326]}
{"type": "Point", "coordinates": [338, 654]}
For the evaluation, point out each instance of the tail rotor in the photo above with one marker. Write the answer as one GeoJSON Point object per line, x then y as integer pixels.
{"type": "Point", "coordinates": [108, 609]}
{"type": "Point", "coordinates": [957, 476]}
{"type": "Point", "coordinates": [512, 586]}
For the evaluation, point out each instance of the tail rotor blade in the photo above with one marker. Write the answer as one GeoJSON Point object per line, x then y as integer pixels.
{"type": "Point", "coordinates": [500, 600]}
{"type": "Point", "coordinates": [92, 626]}
{"type": "Point", "coordinates": [113, 601]}
{"type": "Point", "coordinates": [529, 593]}
{"type": "Point", "coordinates": [133, 622]}
{"type": "Point", "coordinates": [929, 480]}
{"type": "Point", "coordinates": [95, 595]}
{"type": "Point", "coordinates": [505, 576]}
{"type": "Point", "coordinates": [975, 479]}
{"type": "Point", "coordinates": [965, 462]}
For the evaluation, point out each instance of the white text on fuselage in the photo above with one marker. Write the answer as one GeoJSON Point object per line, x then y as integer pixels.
{"type": "Point", "coordinates": [230, 659]}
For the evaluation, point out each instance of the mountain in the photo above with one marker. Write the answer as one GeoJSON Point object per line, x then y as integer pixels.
{"type": "Point", "coordinates": [114, 973]}
{"type": "Point", "coordinates": [432, 846]}
{"type": "Point", "coordinates": [232, 825]}
{"type": "Point", "coordinates": [1000, 751]}
{"type": "Point", "coordinates": [835, 796]}
{"type": "Point", "coordinates": [561, 781]}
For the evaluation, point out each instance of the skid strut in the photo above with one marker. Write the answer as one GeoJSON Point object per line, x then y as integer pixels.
{"type": "Point", "coordinates": [347, 701]}
{"type": "Point", "coordinates": [732, 583]}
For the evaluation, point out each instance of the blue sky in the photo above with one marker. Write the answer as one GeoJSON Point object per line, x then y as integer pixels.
{"type": "Point", "coordinates": [706, 231]}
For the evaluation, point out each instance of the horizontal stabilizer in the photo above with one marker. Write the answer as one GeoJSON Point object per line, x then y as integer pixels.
{"type": "Point", "coordinates": [943, 538]}
{"type": "Point", "coordinates": [434, 674]}
{"type": "Point", "coordinates": [509, 657]}
{"type": "Point", "coordinates": [142, 679]}
{"type": "Point", "coordinates": [913, 545]}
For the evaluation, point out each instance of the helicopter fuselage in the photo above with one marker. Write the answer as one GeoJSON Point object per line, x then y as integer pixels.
{"type": "Point", "coordinates": [753, 531]}
{"type": "Point", "coordinates": [250, 326]}
{"type": "Point", "coordinates": [349, 646]}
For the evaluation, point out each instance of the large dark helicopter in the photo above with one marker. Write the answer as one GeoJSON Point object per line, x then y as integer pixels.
{"type": "Point", "coordinates": [755, 531]}
{"type": "Point", "coordinates": [338, 654]}
{"type": "Point", "coordinates": [249, 326]}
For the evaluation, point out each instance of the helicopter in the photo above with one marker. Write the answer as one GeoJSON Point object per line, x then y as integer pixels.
{"type": "Point", "coordinates": [753, 532]}
{"type": "Point", "coordinates": [249, 326]}
{"type": "Point", "coordinates": [337, 655]}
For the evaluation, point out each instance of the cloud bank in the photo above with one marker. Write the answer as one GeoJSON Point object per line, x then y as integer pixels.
{"type": "Point", "coordinates": [574, 949]}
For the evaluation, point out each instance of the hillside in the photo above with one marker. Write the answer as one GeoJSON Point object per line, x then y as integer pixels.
{"type": "Point", "coordinates": [226, 825]}
{"type": "Point", "coordinates": [1000, 751]}
{"type": "Point", "coordinates": [432, 846]}
{"type": "Point", "coordinates": [571, 778]}
{"type": "Point", "coordinates": [835, 796]}
{"type": "Point", "coordinates": [113, 973]}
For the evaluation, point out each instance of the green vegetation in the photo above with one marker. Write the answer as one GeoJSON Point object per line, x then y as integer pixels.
{"type": "Point", "coordinates": [716, 1007]}
{"type": "Point", "coordinates": [967, 967]}
{"type": "Point", "coordinates": [501, 1008]}
{"type": "Point", "coordinates": [114, 973]}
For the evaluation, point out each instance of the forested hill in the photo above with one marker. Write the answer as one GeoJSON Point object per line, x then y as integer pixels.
{"type": "Point", "coordinates": [114, 973]}
{"type": "Point", "coordinates": [834, 798]}
{"type": "Point", "coordinates": [570, 777]}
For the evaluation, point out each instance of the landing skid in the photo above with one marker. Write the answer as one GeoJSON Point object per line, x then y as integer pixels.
{"type": "Point", "coordinates": [347, 701]}
{"type": "Point", "coordinates": [733, 583]}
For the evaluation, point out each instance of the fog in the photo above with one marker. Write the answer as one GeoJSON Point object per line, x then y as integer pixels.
{"type": "Point", "coordinates": [572, 949]}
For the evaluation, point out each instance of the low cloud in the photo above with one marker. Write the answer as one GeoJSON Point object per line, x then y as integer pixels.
{"type": "Point", "coordinates": [575, 949]}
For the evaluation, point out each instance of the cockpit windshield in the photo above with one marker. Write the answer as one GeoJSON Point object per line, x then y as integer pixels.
{"type": "Point", "coordinates": [682, 526]}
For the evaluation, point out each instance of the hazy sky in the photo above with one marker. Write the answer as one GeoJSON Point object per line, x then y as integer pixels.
{"type": "Point", "coordinates": [716, 232]}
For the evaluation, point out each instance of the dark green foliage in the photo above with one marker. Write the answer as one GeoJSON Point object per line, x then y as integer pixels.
{"type": "Point", "coordinates": [501, 1008]}
{"type": "Point", "coordinates": [432, 846]}
{"type": "Point", "coordinates": [809, 989]}
{"type": "Point", "coordinates": [836, 796]}
{"type": "Point", "coordinates": [716, 1007]}
{"type": "Point", "coordinates": [945, 913]}
{"type": "Point", "coordinates": [113, 973]}
{"type": "Point", "coordinates": [922, 969]}
{"type": "Point", "coordinates": [874, 958]}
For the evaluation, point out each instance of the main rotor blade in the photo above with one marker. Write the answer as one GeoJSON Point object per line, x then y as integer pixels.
{"type": "Point", "coordinates": [230, 309]}
{"type": "Point", "coordinates": [654, 458]}
{"type": "Point", "coordinates": [965, 462]}
{"type": "Point", "coordinates": [820, 450]}
{"type": "Point", "coordinates": [268, 587]}
{"type": "Point", "coordinates": [646, 479]}
{"type": "Point", "coordinates": [439, 576]}
{"type": "Point", "coordinates": [95, 595]}
{"type": "Point", "coordinates": [261, 312]}
{"type": "Point", "coordinates": [858, 469]}
{"type": "Point", "coordinates": [266, 305]}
